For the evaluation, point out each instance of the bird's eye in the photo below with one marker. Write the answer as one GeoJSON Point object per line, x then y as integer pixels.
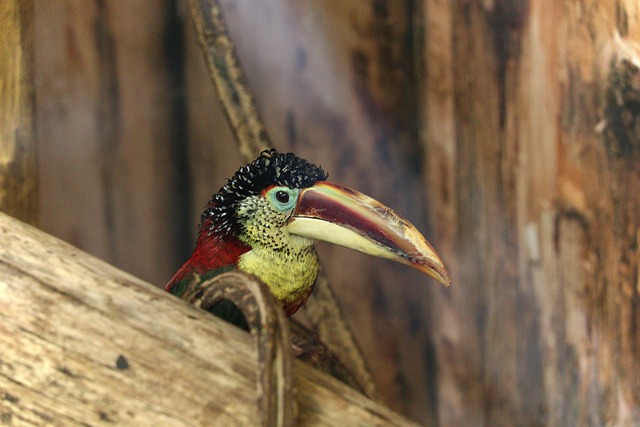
{"type": "Point", "coordinates": [282, 196]}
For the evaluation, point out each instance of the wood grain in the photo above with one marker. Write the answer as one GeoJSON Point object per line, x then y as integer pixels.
{"type": "Point", "coordinates": [84, 343]}
{"type": "Point", "coordinates": [111, 131]}
{"type": "Point", "coordinates": [535, 196]}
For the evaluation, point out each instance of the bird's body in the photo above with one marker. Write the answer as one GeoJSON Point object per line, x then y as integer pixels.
{"type": "Point", "coordinates": [265, 219]}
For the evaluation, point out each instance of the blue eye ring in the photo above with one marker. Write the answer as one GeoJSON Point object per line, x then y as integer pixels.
{"type": "Point", "coordinates": [283, 199]}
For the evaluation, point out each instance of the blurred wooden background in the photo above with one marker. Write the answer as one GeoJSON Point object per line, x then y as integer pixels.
{"type": "Point", "coordinates": [507, 130]}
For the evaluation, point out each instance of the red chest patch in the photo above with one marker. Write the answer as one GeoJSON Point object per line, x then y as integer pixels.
{"type": "Point", "coordinates": [211, 253]}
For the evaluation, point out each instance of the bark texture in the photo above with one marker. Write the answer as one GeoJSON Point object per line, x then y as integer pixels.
{"type": "Point", "coordinates": [531, 130]}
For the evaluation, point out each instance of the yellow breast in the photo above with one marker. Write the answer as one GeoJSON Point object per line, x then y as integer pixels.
{"type": "Point", "coordinates": [289, 272]}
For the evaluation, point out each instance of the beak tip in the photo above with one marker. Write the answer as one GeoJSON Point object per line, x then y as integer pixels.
{"type": "Point", "coordinates": [446, 282]}
{"type": "Point", "coordinates": [434, 269]}
{"type": "Point", "coordinates": [442, 276]}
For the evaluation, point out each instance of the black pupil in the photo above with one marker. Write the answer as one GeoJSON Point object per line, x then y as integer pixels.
{"type": "Point", "coordinates": [282, 196]}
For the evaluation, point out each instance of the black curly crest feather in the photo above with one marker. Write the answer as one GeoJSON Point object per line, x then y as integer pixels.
{"type": "Point", "coordinates": [270, 168]}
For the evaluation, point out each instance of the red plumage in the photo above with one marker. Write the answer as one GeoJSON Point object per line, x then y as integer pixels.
{"type": "Point", "coordinates": [212, 252]}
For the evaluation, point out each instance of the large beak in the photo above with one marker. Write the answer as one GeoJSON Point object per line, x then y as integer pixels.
{"type": "Point", "coordinates": [348, 218]}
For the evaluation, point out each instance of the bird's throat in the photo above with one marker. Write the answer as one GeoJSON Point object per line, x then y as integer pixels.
{"type": "Point", "coordinates": [290, 272]}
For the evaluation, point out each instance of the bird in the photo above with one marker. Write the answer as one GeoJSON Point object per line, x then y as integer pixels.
{"type": "Point", "coordinates": [266, 218]}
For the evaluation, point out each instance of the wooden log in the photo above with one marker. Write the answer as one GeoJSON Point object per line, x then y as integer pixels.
{"type": "Point", "coordinates": [18, 164]}
{"type": "Point", "coordinates": [82, 342]}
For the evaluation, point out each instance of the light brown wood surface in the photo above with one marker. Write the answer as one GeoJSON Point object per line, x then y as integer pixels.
{"type": "Point", "coordinates": [83, 343]}
{"type": "Point", "coordinates": [531, 129]}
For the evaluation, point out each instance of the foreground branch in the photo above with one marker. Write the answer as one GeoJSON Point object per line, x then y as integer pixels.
{"type": "Point", "coordinates": [268, 325]}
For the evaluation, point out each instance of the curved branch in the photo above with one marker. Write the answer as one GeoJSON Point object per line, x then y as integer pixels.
{"type": "Point", "coordinates": [268, 325]}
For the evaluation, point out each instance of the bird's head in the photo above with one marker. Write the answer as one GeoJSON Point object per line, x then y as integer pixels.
{"type": "Point", "coordinates": [257, 203]}
{"type": "Point", "coordinates": [281, 202]}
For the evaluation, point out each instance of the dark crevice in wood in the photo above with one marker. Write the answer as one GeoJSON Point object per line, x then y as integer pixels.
{"type": "Point", "coordinates": [174, 56]}
{"type": "Point", "coordinates": [508, 19]}
{"type": "Point", "coordinates": [108, 118]}
{"type": "Point", "coordinates": [622, 112]}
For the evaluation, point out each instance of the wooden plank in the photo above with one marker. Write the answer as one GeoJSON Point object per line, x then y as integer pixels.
{"type": "Point", "coordinates": [18, 159]}
{"type": "Point", "coordinates": [111, 131]}
{"type": "Point", "coordinates": [84, 343]}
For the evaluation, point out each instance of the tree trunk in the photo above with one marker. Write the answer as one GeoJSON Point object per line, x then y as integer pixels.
{"type": "Point", "coordinates": [531, 125]}
{"type": "Point", "coordinates": [18, 162]}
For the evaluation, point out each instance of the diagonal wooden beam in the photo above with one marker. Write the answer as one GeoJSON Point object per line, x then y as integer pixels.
{"type": "Point", "coordinates": [228, 78]}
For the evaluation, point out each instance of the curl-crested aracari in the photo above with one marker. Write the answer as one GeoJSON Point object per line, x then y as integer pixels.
{"type": "Point", "coordinates": [265, 219]}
